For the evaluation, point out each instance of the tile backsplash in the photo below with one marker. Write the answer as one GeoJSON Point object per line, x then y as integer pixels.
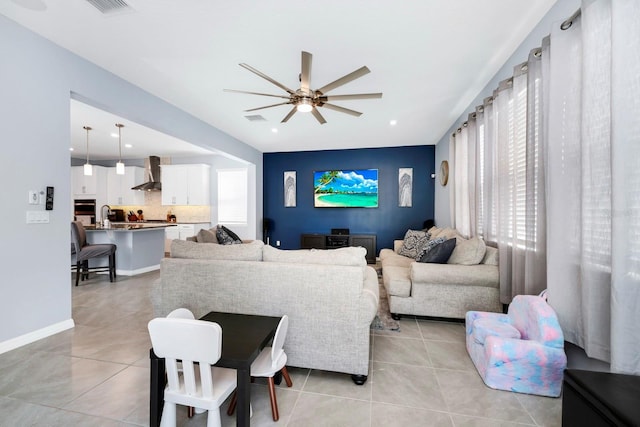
{"type": "Point", "coordinates": [153, 209]}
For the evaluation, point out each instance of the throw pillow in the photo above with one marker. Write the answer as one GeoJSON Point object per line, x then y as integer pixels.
{"type": "Point", "coordinates": [226, 236]}
{"type": "Point", "coordinates": [434, 231]}
{"type": "Point", "coordinates": [468, 252]}
{"type": "Point", "coordinates": [428, 246]}
{"type": "Point", "coordinates": [440, 253]}
{"type": "Point", "coordinates": [414, 241]}
{"type": "Point", "coordinates": [206, 236]}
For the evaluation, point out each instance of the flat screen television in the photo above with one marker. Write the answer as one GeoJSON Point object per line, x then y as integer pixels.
{"type": "Point", "coordinates": [347, 188]}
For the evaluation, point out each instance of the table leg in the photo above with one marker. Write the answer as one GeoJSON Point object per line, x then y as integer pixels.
{"type": "Point", "coordinates": [244, 397]}
{"type": "Point", "coordinates": [157, 384]}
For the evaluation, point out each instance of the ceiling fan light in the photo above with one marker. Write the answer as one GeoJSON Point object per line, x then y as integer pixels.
{"type": "Point", "coordinates": [305, 105]}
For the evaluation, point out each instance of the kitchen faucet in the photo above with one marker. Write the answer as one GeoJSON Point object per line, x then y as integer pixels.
{"type": "Point", "coordinates": [102, 214]}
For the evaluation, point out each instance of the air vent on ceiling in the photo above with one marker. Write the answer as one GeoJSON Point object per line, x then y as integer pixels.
{"type": "Point", "coordinates": [108, 6]}
{"type": "Point", "coordinates": [255, 118]}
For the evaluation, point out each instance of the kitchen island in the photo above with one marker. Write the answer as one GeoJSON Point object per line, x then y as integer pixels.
{"type": "Point", "coordinates": [140, 245]}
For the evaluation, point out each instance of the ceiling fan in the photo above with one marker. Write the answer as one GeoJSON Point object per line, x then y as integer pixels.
{"type": "Point", "coordinates": [306, 99]}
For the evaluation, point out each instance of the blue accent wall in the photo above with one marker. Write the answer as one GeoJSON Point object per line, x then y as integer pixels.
{"type": "Point", "coordinates": [387, 221]}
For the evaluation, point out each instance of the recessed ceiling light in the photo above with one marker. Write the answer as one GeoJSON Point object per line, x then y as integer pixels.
{"type": "Point", "coordinates": [114, 135]}
{"type": "Point", "coordinates": [274, 130]}
{"type": "Point", "coordinates": [128, 146]}
{"type": "Point", "coordinates": [70, 148]}
{"type": "Point", "coordinates": [393, 122]}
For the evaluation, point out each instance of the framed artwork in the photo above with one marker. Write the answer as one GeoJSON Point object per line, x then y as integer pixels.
{"type": "Point", "coordinates": [290, 189]}
{"type": "Point", "coordinates": [405, 187]}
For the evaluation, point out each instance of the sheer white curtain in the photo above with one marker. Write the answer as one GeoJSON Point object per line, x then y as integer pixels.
{"type": "Point", "coordinates": [462, 177]}
{"type": "Point", "coordinates": [593, 181]}
{"type": "Point", "coordinates": [519, 174]}
{"type": "Point", "coordinates": [486, 171]}
{"type": "Point", "coordinates": [499, 178]}
{"type": "Point", "coordinates": [462, 149]}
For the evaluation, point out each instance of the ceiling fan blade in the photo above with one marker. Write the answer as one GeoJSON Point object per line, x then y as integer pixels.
{"type": "Point", "coordinates": [348, 97]}
{"type": "Point", "coordinates": [267, 106]}
{"type": "Point", "coordinates": [345, 79]}
{"type": "Point", "coordinates": [291, 113]}
{"type": "Point", "coordinates": [264, 76]}
{"type": "Point", "coordinates": [318, 116]}
{"type": "Point", "coordinates": [255, 93]}
{"type": "Point", "coordinates": [342, 109]}
{"type": "Point", "coordinates": [305, 75]}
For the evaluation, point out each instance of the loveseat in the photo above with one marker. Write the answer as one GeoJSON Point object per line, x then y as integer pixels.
{"type": "Point", "coordinates": [330, 296]}
{"type": "Point", "coordinates": [468, 280]}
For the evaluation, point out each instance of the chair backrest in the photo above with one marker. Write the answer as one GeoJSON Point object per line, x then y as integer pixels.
{"type": "Point", "coordinates": [188, 341]}
{"type": "Point", "coordinates": [278, 339]}
{"type": "Point", "coordinates": [536, 320]}
{"type": "Point", "coordinates": [78, 235]}
{"type": "Point", "coordinates": [181, 313]}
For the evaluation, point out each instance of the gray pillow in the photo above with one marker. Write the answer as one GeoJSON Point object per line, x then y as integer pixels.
{"type": "Point", "coordinates": [206, 236]}
{"type": "Point", "coordinates": [440, 253]}
{"type": "Point", "coordinates": [468, 252]}
{"type": "Point", "coordinates": [226, 236]}
{"type": "Point", "coordinates": [414, 241]}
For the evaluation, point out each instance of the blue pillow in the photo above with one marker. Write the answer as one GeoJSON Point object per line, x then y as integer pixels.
{"type": "Point", "coordinates": [440, 253]}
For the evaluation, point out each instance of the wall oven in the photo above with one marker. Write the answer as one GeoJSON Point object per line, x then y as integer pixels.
{"type": "Point", "coordinates": [84, 210]}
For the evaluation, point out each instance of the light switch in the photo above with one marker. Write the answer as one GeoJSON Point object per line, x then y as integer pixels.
{"type": "Point", "coordinates": [33, 198]}
{"type": "Point", "coordinates": [37, 217]}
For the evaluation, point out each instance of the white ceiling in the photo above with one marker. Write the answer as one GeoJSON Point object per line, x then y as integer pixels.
{"type": "Point", "coordinates": [103, 137]}
{"type": "Point", "coordinates": [429, 58]}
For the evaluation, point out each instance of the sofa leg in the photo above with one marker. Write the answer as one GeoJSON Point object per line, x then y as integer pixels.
{"type": "Point", "coordinates": [395, 316]}
{"type": "Point", "coordinates": [359, 379]}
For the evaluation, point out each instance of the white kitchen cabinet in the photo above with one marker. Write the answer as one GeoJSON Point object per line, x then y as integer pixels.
{"type": "Point", "coordinates": [89, 186]}
{"type": "Point", "coordinates": [119, 190]}
{"type": "Point", "coordinates": [181, 232]}
{"type": "Point", "coordinates": [186, 184]}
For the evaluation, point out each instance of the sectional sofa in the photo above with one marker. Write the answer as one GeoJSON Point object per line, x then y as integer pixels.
{"type": "Point", "coordinates": [330, 296]}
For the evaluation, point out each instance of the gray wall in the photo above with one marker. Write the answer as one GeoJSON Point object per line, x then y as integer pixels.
{"type": "Point", "coordinates": [37, 79]}
{"type": "Point", "coordinates": [558, 13]}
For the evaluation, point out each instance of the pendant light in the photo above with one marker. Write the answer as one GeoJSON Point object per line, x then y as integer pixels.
{"type": "Point", "coordinates": [120, 165]}
{"type": "Point", "coordinates": [88, 170]}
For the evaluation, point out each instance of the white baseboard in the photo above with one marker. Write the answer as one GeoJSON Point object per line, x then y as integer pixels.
{"type": "Point", "coordinates": [25, 339]}
{"type": "Point", "coordinates": [136, 272]}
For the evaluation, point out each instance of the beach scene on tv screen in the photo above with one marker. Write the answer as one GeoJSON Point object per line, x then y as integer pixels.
{"type": "Point", "coordinates": [348, 188]}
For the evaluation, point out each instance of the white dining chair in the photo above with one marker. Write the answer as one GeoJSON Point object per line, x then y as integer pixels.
{"type": "Point", "coordinates": [184, 313]}
{"type": "Point", "coordinates": [194, 343]}
{"type": "Point", "coordinates": [181, 313]}
{"type": "Point", "coordinates": [270, 361]}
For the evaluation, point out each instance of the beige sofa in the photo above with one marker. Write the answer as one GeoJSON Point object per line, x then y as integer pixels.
{"type": "Point", "coordinates": [442, 290]}
{"type": "Point", "coordinates": [330, 296]}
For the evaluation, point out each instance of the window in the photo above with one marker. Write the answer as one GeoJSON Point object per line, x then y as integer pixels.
{"type": "Point", "coordinates": [232, 196]}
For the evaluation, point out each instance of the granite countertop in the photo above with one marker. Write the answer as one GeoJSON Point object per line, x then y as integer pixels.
{"type": "Point", "coordinates": [129, 226]}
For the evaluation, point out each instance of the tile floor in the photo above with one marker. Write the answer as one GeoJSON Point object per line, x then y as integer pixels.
{"type": "Point", "coordinates": [97, 375]}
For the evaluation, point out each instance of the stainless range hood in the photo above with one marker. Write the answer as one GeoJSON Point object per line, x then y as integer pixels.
{"type": "Point", "coordinates": [153, 184]}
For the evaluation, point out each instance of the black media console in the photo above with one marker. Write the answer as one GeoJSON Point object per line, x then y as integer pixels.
{"type": "Point", "coordinates": [600, 399]}
{"type": "Point", "coordinates": [332, 241]}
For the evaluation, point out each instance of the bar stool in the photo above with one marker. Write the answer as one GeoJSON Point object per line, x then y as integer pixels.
{"type": "Point", "coordinates": [81, 253]}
